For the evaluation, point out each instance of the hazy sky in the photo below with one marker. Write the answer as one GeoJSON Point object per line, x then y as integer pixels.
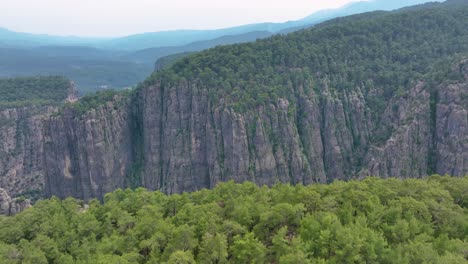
{"type": "Point", "coordinates": [124, 17]}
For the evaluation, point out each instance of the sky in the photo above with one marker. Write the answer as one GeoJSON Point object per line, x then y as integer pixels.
{"type": "Point", "coordinates": [105, 18]}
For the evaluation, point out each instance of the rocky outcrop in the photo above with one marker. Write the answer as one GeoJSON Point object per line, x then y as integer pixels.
{"type": "Point", "coordinates": [191, 144]}
{"type": "Point", "coordinates": [10, 206]}
{"type": "Point", "coordinates": [428, 134]}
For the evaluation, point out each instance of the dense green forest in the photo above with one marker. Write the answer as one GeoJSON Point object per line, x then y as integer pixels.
{"type": "Point", "coordinates": [24, 91]}
{"type": "Point", "coordinates": [369, 221]}
{"type": "Point", "coordinates": [382, 53]}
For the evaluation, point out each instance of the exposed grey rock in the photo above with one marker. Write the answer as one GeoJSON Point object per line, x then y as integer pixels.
{"type": "Point", "coordinates": [5, 201]}
{"type": "Point", "coordinates": [72, 93]}
{"type": "Point", "coordinates": [18, 205]}
{"type": "Point", "coordinates": [406, 152]}
{"type": "Point", "coordinates": [10, 206]}
{"type": "Point", "coordinates": [87, 156]}
{"type": "Point", "coordinates": [21, 149]}
{"type": "Point", "coordinates": [451, 131]}
{"type": "Point", "coordinates": [175, 139]}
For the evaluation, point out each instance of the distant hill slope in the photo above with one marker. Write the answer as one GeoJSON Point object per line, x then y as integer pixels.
{"type": "Point", "coordinates": [167, 61]}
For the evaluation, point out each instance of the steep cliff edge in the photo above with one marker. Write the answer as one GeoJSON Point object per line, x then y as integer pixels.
{"type": "Point", "coordinates": [424, 140]}
{"type": "Point", "coordinates": [451, 130]}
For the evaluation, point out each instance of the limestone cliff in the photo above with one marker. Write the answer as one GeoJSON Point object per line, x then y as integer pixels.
{"type": "Point", "coordinates": [174, 139]}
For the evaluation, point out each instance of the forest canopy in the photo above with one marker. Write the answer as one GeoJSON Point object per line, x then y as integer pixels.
{"type": "Point", "coordinates": [368, 221]}
{"type": "Point", "coordinates": [383, 54]}
{"type": "Point", "coordinates": [378, 54]}
{"type": "Point", "coordinates": [25, 91]}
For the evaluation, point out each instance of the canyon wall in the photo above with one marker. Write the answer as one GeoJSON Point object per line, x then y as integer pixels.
{"type": "Point", "coordinates": [174, 139]}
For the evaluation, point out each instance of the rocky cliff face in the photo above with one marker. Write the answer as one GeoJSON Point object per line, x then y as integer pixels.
{"type": "Point", "coordinates": [407, 121]}
{"type": "Point", "coordinates": [429, 133]}
{"type": "Point", "coordinates": [89, 155]}
{"type": "Point", "coordinates": [22, 156]}
{"type": "Point", "coordinates": [451, 129]}
{"type": "Point", "coordinates": [21, 150]}
{"type": "Point", "coordinates": [174, 139]}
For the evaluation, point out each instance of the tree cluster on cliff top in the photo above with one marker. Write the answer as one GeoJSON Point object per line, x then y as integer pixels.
{"type": "Point", "coordinates": [369, 221]}
{"type": "Point", "coordinates": [24, 91]}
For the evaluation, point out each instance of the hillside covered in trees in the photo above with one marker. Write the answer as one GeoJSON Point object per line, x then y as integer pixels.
{"type": "Point", "coordinates": [24, 91]}
{"type": "Point", "coordinates": [382, 53]}
{"type": "Point", "coordinates": [369, 221]}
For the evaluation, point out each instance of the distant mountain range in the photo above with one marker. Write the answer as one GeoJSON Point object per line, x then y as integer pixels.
{"type": "Point", "coordinates": [93, 62]}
